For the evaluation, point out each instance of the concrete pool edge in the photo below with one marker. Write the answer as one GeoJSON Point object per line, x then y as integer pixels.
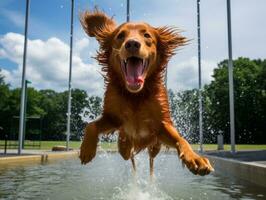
{"type": "Point", "coordinates": [249, 171]}
{"type": "Point", "coordinates": [42, 157]}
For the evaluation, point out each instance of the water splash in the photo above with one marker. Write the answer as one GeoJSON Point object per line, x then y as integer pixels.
{"type": "Point", "coordinates": [184, 111]}
{"type": "Point", "coordinates": [140, 190]}
{"type": "Point", "coordinates": [139, 186]}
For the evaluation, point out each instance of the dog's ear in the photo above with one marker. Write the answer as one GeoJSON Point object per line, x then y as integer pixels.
{"type": "Point", "coordinates": [97, 24]}
{"type": "Point", "coordinates": [169, 39]}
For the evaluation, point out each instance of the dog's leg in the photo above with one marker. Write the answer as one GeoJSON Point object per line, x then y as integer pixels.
{"type": "Point", "coordinates": [133, 163]}
{"type": "Point", "coordinates": [92, 131]}
{"type": "Point", "coordinates": [195, 163]}
{"type": "Point", "coordinates": [151, 168]}
{"type": "Point", "coordinates": [153, 151]}
{"type": "Point", "coordinates": [125, 145]}
{"type": "Point", "coordinates": [125, 148]}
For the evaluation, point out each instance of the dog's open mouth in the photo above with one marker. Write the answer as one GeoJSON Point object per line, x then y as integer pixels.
{"type": "Point", "coordinates": [134, 69]}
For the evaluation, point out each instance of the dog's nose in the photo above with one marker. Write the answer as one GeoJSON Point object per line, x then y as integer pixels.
{"type": "Point", "coordinates": [132, 45]}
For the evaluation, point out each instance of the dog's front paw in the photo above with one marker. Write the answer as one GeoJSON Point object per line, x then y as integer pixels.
{"type": "Point", "coordinates": [195, 163]}
{"type": "Point", "coordinates": [87, 151]}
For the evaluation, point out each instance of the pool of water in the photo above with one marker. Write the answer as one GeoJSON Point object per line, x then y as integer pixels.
{"type": "Point", "coordinates": [110, 177]}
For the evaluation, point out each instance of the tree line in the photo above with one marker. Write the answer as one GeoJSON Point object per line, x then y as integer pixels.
{"type": "Point", "coordinates": [249, 99]}
{"type": "Point", "coordinates": [249, 95]}
{"type": "Point", "coordinates": [51, 107]}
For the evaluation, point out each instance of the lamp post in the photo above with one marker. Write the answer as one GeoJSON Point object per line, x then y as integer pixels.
{"type": "Point", "coordinates": [70, 78]}
{"type": "Point", "coordinates": [25, 112]}
{"type": "Point", "coordinates": [128, 12]}
{"type": "Point", "coordinates": [199, 70]}
{"type": "Point", "coordinates": [230, 77]}
{"type": "Point", "coordinates": [23, 82]}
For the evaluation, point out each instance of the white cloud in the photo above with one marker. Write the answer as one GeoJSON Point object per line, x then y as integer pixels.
{"type": "Point", "coordinates": [81, 45]}
{"type": "Point", "coordinates": [247, 28]}
{"type": "Point", "coordinates": [48, 64]}
{"type": "Point", "coordinates": [6, 74]}
{"type": "Point", "coordinates": [184, 75]}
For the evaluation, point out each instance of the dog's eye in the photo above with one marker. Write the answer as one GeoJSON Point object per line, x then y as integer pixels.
{"type": "Point", "coordinates": [121, 36]}
{"type": "Point", "coordinates": [147, 35]}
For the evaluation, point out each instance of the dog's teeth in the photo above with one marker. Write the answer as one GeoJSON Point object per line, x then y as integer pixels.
{"type": "Point", "coordinates": [125, 61]}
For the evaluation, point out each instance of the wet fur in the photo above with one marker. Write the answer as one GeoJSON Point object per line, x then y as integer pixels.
{"type": "Point", "coordinates": [143, 118]}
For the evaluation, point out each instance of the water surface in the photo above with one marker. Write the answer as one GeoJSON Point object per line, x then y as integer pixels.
{"type": "Point", "coordinates": [110, 177]}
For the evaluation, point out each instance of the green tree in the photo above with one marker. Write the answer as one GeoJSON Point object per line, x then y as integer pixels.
{"type": "Point", "coordinates": [79, 103]}
{"type": "Point", "coordinates": [4, 92]}
{"type": "Point", "coordinates": [54, 119]}
{"type": "Point", "coordinates": [55, 106]}
{"type": "Point", "coordinates": [4, 105]}
{"type": "Point", "coordinates": [93, 109]}
{"type": "Point", "coordinates": [249, 97]}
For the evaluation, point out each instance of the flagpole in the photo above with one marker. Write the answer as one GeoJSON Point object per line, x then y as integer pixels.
{"type": "Point", "coordinates": [23, 82]}
{"type": "Point", "coordinates": [199, 74]}
{"type": "Point", "coordinates": [70, 78]}
{"type": "Point", "coordinates": [230, 77]}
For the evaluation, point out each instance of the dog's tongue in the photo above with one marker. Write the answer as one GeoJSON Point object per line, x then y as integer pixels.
{"type": "Point", "coordinates": [134, 71]}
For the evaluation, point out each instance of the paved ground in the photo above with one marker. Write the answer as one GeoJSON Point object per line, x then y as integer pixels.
{"type": "Point", "coordinates": [255, 156]}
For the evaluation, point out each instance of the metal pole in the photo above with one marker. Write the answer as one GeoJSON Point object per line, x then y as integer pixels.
{"type": "Point", "coordinates": [70, 77]}
{"type": "Point", "coordinates": [199, 69]}
{"type": "Point", "coordinates": [23, 91]}
{"type": "Point", "coordinates": [128, 12]}
{"type": "Point", "coordinates": [5, 143]}
{"type": "Point", "coordinates": [25, 113]}
{"type": "Point", "coordinates": [231, 82]}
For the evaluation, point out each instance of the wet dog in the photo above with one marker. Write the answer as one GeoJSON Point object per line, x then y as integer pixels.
{"type": "Point", "coordinates": [134, 57]}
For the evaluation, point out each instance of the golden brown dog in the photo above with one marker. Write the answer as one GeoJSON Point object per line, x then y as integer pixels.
{"type": "Point", "coordinates": [134, 58]}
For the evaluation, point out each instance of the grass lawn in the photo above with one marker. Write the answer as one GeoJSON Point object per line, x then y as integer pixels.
{"type": "Point", "coordinates": [47, 145]}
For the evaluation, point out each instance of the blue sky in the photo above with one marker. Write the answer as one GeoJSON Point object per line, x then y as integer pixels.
{"type": "Point", "coordinates": [49, 37]}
